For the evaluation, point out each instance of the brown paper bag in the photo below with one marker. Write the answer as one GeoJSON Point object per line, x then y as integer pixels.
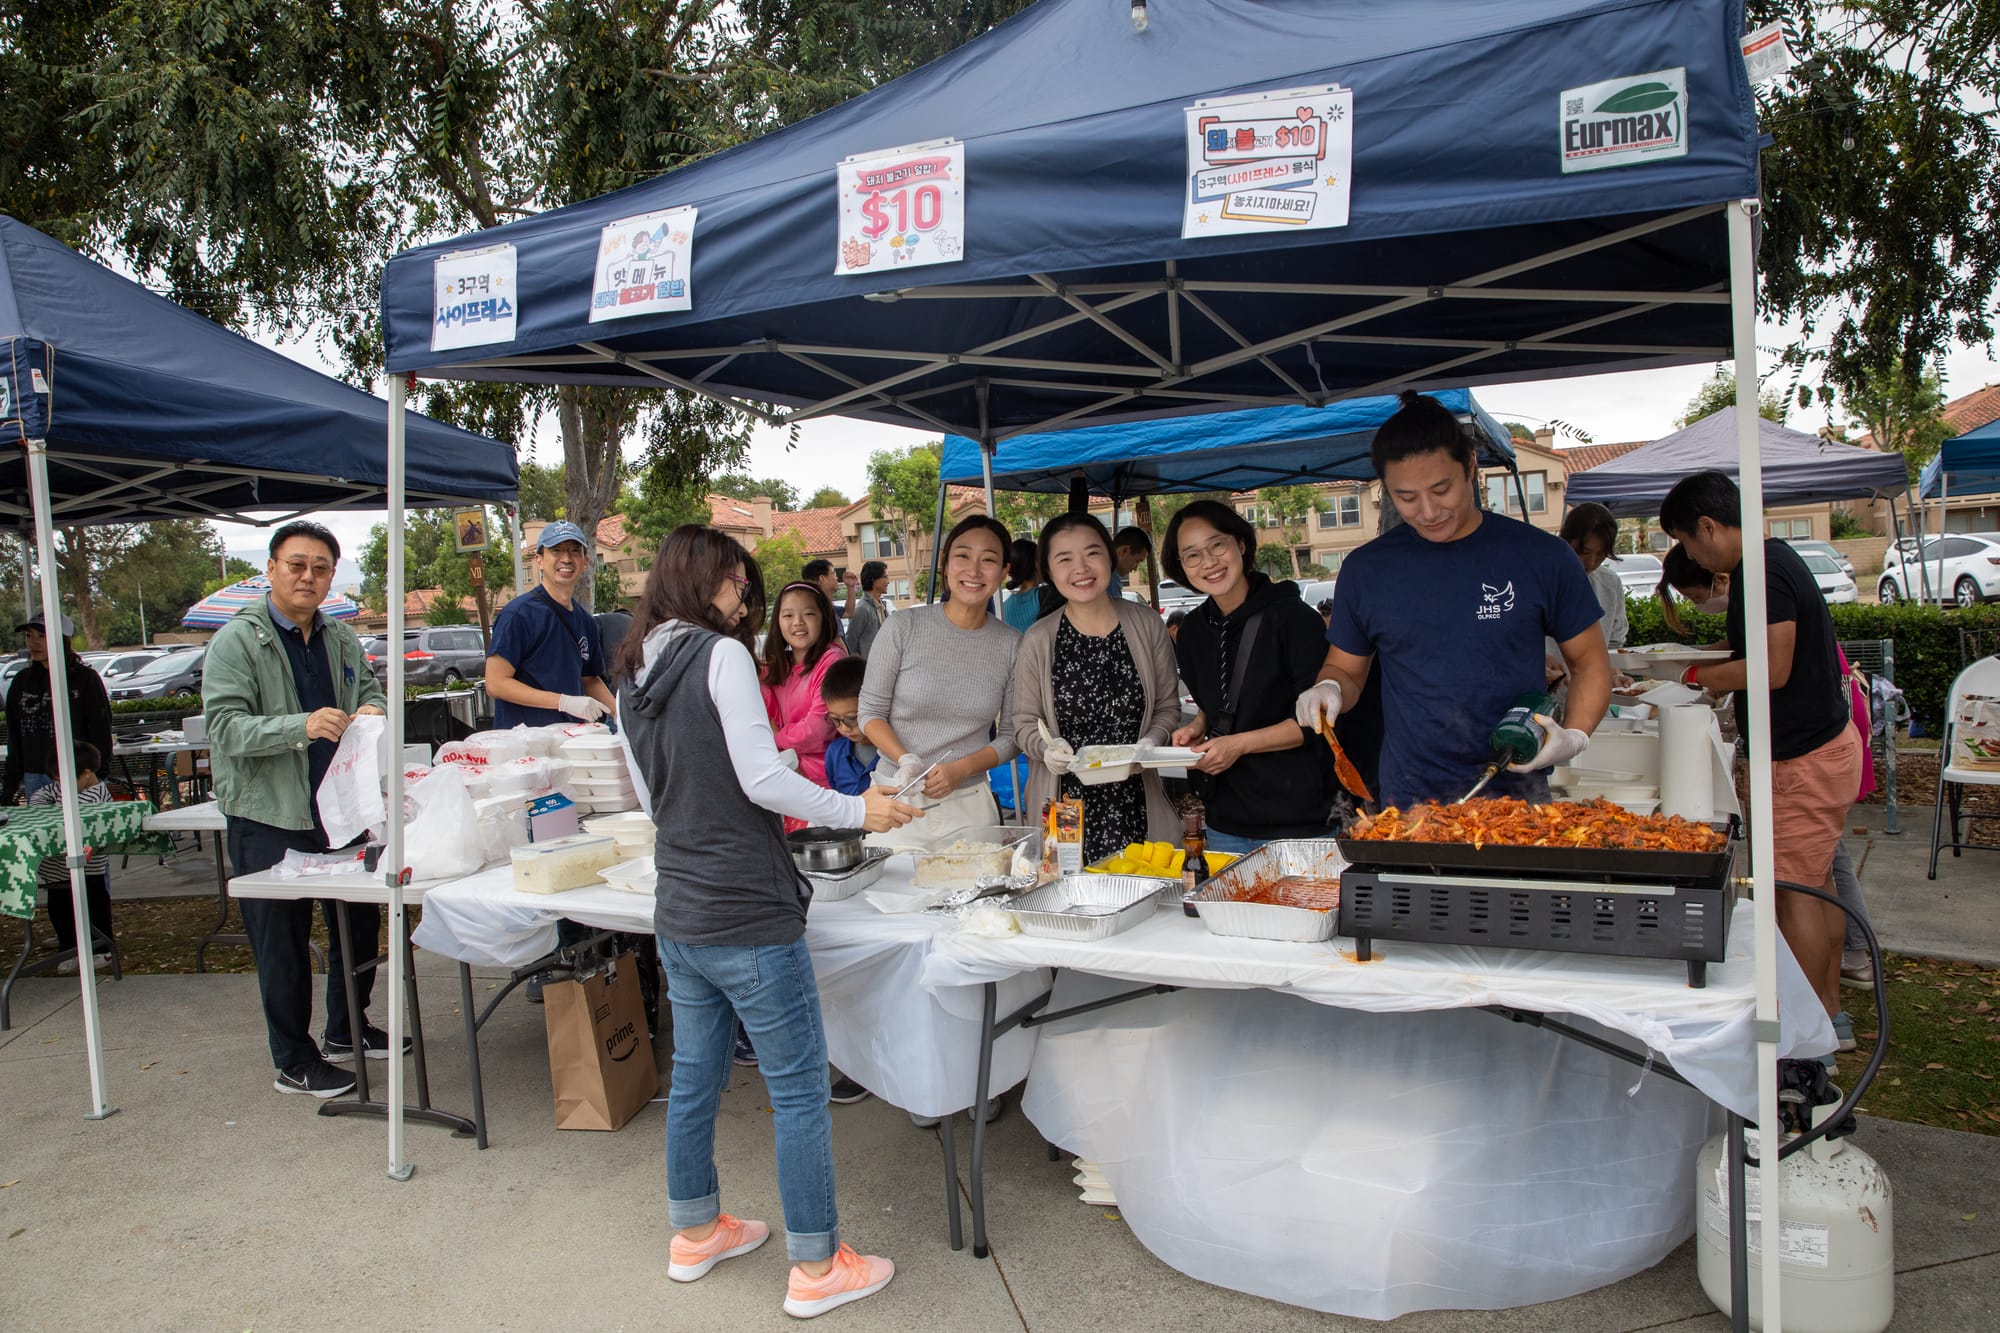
{"type": "Point", "coordinates": [600, 1058]}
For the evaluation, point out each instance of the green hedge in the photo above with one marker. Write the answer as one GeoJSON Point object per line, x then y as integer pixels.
{"type": "Point", "coordinates": [1927, 643]}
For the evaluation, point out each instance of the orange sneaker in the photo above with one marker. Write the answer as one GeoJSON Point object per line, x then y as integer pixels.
{"type": "Point", "coordinates": [851, 1277]}
{"type": "Point", "coordinates": [732, 1236]}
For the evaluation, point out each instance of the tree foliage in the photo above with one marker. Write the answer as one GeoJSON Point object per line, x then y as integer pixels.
{"type": "Point", "coordinates": [430, 560]}
{"type": "Point", "coordinates": [739, 486]}
{"type": "Point", "coordinates": [541, 493]}
{"type": "Point", "coordinates": [781, 558]}
{"type": "Point", "coordinates": [1026, 513]}
{"type": "Point", "coordinates": [1880, 188]}
{"type": "Point", "coordinates": [1293, 506]}
{"type": "Point", "coordinates": [1900, 415]}
{"type": "Point", "coordinates": [827, 497]}
{"type": "Point", "coordinates": [1719, 391]}
{"type": "Point", "coordinates": [903, 492]}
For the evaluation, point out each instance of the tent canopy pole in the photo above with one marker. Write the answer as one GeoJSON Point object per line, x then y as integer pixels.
{"type": "Point", "coordinates": [937, 538]}
{"type": "Point", "coordinates": [65, 738]}
{"type": "Point", "coordinates": [393, 862]}
{"type": "Point", "coordinates": [1757, 651]}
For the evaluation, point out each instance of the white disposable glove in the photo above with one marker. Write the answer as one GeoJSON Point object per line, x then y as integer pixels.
{"type": "Point", "coordinates": [909, 768]}
{"type": "Point", "coordinates": [1560, 744]}
{"type": "Point", "coordinates": [897, 774]}
{"type": "Point", "coordinates": [790, 759]}
{"type": "Point", "coordinates": [1059, 755]}
{"type": "Point", "coordinates": [581, 707]}
{"type": "Point", "coordinates": [1318, 706]}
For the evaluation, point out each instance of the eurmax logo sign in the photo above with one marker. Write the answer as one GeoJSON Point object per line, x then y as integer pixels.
{"type": "Point", "coordinates": [1639, 118]}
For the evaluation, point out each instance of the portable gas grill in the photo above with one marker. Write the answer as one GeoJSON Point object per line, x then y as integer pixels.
{"type": "Point", "coordinates": [1619, 903]}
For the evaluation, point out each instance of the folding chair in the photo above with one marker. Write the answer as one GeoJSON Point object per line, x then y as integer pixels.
{"type": "Point", "coordinates": [1955, 773]}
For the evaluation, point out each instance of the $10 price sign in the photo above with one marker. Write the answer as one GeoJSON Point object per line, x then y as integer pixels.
{"type": "Point", "coordinates": [904, 206]}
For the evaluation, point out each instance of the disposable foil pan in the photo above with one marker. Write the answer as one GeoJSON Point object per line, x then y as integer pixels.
{"type": "Point", "coordinates": [830, 886]}
{"type": "Point", "coordinates": [1316, 857]}
{"type": "Point", "coordinates": [1087, 907]}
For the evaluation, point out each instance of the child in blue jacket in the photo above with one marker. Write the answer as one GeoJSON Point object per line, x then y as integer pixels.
{"type": "Point", "coordinates": [849, 758]}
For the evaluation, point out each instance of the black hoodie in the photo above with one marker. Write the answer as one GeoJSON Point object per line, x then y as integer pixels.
{"type": "Point", "coordinates": [31, 722]}
{"type": "Point", "coordinates": [1279, 793]}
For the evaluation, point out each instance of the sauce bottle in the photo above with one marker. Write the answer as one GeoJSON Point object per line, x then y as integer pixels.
{"type": "Point", "coordinates": [1194, 869]}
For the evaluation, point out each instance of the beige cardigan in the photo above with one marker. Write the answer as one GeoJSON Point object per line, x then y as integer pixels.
{"type": "Point", "coordinates": [1034, 700]}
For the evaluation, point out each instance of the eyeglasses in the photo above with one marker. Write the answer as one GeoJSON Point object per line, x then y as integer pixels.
{"type": "Point", "coordinates": [847, 720]}
{"type": "Point", "coordinates": [298, 569]}
{"type": "Point", "coordinates": [1212, 554]}
{"type": "Point", "coordinates": [742, 586]}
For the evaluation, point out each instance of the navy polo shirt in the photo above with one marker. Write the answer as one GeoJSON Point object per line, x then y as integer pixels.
{"type": "Point", "coordinates": [550, 647]}
{"type": "Point", "coordinates": [312, 676]}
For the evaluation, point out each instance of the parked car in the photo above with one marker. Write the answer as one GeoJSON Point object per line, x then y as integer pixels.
{"type": "Point", "coordinates": [1315, 591]}
{"type": "Point", "coordinates": [1640, 573]}
{"type": "Point", "coordinates": [1176, 597]}
{"type": "Point", "coordinates": [1964, 566]}
{"type": "Point", "coordinates": [1834, 585]}
{"type": "Point", "coordinates": [436, 655]}
{"type": "Point", "coordinates": [171, 673]}
{"type": "Point", "coordinates": [1830, 551]}
{"type": "Point", "coordinates": [116, 664]}
{"type": "Point", "coordinates": [11, 668]}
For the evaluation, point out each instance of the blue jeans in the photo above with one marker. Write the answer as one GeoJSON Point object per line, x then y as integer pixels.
{"type": "Point", "coordinates": [770, 987]}
{"type": "Point", "coordinates": [1218, 841]}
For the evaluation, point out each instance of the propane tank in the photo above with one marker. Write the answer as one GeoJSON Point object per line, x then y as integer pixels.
{"type": "Point", "coordinates": [1838, 1261]}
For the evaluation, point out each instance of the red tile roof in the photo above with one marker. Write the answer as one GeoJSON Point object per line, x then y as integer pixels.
{"type": "Point", "coordinates": [728, 512]}
{"type": "Point", "coordinates": [417, 604]}
{"type": "Point", "coordinates": [819, 529]}
{"type": "Point", "coordinates": [611, 531]}
{"type": "Point", "coordinates": [1974, 410]}
{"type": "Point", "coordinates": [1583, 457]}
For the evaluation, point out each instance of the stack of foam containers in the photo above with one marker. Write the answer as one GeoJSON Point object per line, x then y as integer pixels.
{"type": "Point", "coordinates": [598, 781]}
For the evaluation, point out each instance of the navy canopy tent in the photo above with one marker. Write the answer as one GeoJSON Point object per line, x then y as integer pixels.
{"type": "Point", "coordinates": [1967, 465]}
{"type": "Point", "coordinates": [150, 411]}
{"type": "Point", "coordinates": [1470, 253]}
{"type": "Point", "coordinates": [1233, 451]}
{"type": "Point", "coordinates": [1798, 468]}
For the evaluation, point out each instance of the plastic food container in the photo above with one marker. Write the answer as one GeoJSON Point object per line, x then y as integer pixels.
{"type": "Point", "coordinates": [1319, 858]}
{"type": "Point", "coordinates": [954, 860]}
{"type": "Point", "coordinates": [631, 876]}
{"type": "Point", "coordinates": [1087, 907]}
{"type": "Point", "coordinates": [632, 831]}
{"type": "Point", "coordinates": [563, 863]}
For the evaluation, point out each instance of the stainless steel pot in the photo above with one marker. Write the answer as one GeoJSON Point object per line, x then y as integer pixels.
{"type": "Point", "coordinates": [819, 850]}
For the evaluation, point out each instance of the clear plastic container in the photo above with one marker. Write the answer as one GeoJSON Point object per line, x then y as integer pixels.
{"type": "Point", "coordinates": [563, 863]}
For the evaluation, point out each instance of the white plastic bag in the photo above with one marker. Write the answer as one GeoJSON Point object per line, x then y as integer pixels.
{"type": "Point", "coordinates": [350, 795]}
{"type": "Point", "coordinates": [442, 841]}
{"type": "Point", "coordinates": [503, 824]}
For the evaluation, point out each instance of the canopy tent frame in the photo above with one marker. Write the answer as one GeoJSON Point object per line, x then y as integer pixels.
{"type": "Point", "coordinates": [1112, 326]}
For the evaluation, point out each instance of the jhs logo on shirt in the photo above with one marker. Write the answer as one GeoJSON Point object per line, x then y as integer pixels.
{"type": "Point", "coordinates": [1495, 602]}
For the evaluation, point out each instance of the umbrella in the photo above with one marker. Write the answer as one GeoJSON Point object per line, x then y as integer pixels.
{"type": "Point", "coordinates": [214, 610]}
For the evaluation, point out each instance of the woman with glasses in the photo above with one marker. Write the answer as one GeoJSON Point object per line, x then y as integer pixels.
{"type": "Point", "coordinates": [1244, 654]}
{"type": "Point", "coordinates": [940, 678]}
{"type": "Point", "coordinates": [730, 912]}
{"type": "Point", "coordinates": [1098, 672]}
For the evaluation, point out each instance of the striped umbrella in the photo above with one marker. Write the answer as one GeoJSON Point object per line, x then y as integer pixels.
{"type": "Point", "coordinates": [214, 610]}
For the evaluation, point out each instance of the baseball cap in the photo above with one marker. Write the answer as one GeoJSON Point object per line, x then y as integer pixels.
{"type": "Point", "coordinates": [560, 531]}
{"type": "Point", "coordinates": [35, 622]}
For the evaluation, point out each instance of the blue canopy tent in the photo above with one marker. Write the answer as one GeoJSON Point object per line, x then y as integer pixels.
{"type": "Point", "coordinates": [1537, 189]}
{"type": "Point", "coordinates": [1232, 451]}
{"type": "Point", "coordinates": [1968, 464]}
{"type": "Point", "coordinates": [123, 408]}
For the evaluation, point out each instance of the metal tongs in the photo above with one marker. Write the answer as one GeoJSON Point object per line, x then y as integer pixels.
{"type": "Point", "coordinates": [919, 779]}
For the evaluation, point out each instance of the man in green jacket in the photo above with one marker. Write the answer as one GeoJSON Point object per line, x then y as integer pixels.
{"type": "Point", "coordinates": [280, 684]}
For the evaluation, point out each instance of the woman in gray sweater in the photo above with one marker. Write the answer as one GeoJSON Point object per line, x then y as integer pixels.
{"type": "Point", "coordinates": [941, 680]}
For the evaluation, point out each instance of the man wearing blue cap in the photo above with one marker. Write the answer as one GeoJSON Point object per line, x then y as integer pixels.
{"type": "Point", "coordinates": [546, 663]}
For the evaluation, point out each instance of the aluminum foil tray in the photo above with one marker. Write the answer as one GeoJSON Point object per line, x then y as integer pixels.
{"type": "Point", "coordinates": [831, 886]}
{"type": "Point", "coordinates": [1087, 907]}
{"type": "Point", "coordinates": [1318, 857]}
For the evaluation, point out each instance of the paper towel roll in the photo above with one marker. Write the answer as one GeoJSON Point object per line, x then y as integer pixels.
{"type": "Point", "coordinates": [1687, 779]}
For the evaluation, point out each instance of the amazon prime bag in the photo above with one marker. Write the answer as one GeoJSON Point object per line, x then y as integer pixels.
{"type": "Point", "coordinates": [600, 1056]}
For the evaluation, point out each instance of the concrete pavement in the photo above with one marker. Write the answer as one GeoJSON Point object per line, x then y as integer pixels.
{"type": "Point", "coordinates": [210, 1201]}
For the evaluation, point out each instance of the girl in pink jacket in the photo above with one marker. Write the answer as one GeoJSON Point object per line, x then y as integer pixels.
{"type": "Point", "coordinates": [804, 640]}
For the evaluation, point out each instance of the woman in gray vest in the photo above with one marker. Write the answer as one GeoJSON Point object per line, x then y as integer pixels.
{"type": "Point", "coordinates": [730, 911]}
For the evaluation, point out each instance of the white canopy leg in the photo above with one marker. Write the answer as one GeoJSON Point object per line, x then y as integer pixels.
{"type": "Point", "coordinates": [1743, 308]}
{"type": "Point", "coordinates": [65, 737]}
{"type": "Point", "coordinates": [392, 857]}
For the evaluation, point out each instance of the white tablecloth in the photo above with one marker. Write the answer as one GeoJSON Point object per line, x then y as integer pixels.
{"type": "Point", "coordinates": [913, 1045]}
{"type": "Point", "coordinates": [1418, 1156]}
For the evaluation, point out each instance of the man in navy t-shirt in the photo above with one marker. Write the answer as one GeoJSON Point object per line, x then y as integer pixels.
{"type": "Point", "coordinates": [1454, 605]}
{"type": "Point", "coordinates": [546, 663]}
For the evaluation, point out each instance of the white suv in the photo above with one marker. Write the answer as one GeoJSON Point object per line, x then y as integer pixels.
{"type": "Point", "coordinates": [1964, 566]}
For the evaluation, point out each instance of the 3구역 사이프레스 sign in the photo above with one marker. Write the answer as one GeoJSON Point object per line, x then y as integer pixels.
{"type": "Point", "coordinates": [1269, 161]}
{"type": "Point", "coordinates": [902, 206]}
{"type": "Point", "coordinates": [475, 298]}
{"type": "Point", "coordinates": [1639, 118]}
{"type": "Point", "coordinates": [643, 265]}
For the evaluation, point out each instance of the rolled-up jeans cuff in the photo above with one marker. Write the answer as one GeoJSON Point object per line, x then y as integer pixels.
{"type": "Point", "coordinates": [685, 1213]}
{"type": "Point", "coordinates": [805, 1247]}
